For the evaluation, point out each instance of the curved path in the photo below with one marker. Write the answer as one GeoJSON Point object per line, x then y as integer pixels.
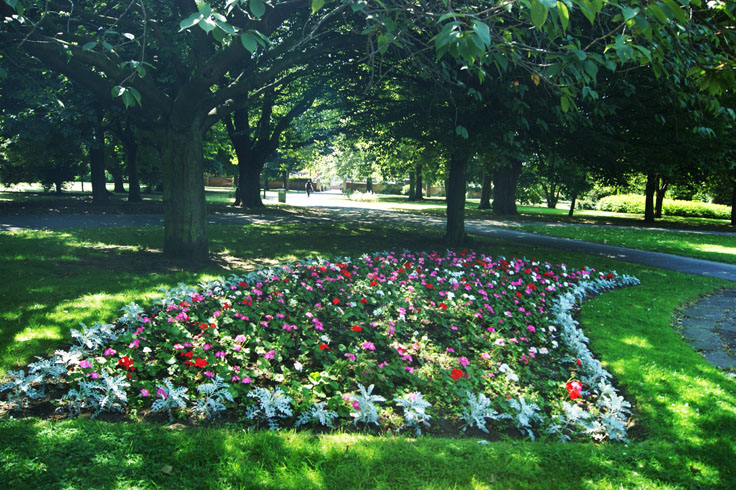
{"type": "Point", "coordinates": [710, 325]}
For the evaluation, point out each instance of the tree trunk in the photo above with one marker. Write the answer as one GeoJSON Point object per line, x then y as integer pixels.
{"type": "Point", "coordinates": [119, 183]}
{"type": "Point", "coordinates": [286, 180]}
{"type": "Point", "coordinates": [248, 193]}
{"type": "Point", "coordinates": [505, 180]}
{"type": "Point", "coordinates": [130, 147]}
{"type": "Point", "coordinates": [572, 205]}
{"type": "Point", "coordinates": [455, 197]}
{"type": "Point", "coordinates": [59, 185]}
{"type": "Point", "coordinates": [97, 161]}
{"type": "Point", "coordinates": [650, 190]}
{"type": "Point", "coordinates": [661, 190]}
{"type": "Point", "coordinates": [369, 185]}
{"type": "Point", "coordinates": [412, 187]}
{"type": "Point", "coordinates": [733, 200]}
{"type": "Point", "coordinates": [485, 190]}
{"type": "Point", "coordinates": [185, 208]}
{"type": "Point", "coordinates": [419, 193]}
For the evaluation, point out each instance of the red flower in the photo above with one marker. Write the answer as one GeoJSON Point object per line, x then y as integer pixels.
{"type": "Point", "coordinates": [324, 347]}
{"type": "Point", "coordinates": [518, 295]}
{"type": "Point", "coordinates": [188, 355]}
{"type": "Point", "coordinates": [356, 328]}
{"type": "Point", "coordinates": [200, 363]}
{"type": "Point", "coordinates": [335, 301]}
{"type": "Point", "coordinates": [203, 326]}
{"type": "Point", "coordinates": [364, 301]}
{"type": "Point", "coordinates": [429, 286]}
{"type": "Point", "coordinates": [401, 270]}
{"type": "Point", "coordinates": [578, 362]}
{"type": "Point", "coordinates": [373, 283]}
{"type": "Point", "coordinates": [574, 394]}
{"type": "Point", "coordinates": [126, 362]}
{"type": "Point", "coordinates": [574, 389]}
{"type": "Point", "coordinates": [443, 306]}
{"type": "Point", "coordinates": [456, 374]}
{"type": "Point", "coordinates": [189, 363]}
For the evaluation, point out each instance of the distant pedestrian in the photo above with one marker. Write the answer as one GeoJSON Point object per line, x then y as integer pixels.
{"type": "Point", "coordinates": [309, 187]}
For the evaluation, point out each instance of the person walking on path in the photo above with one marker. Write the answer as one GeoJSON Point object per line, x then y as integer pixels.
{"type": "Point", "coordinates": [308, 187]}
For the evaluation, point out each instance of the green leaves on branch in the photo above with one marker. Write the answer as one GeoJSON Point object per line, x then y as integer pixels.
{"type": "Point", "coordinates": [130, 96]}
{"type": "Point", "coordinates": [252, 39]}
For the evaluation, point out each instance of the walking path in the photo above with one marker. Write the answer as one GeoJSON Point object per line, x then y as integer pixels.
{"type": "Point", "coordinates": [710, 324]}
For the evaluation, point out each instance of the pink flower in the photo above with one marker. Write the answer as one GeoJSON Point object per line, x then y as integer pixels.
{"type": "Point", "coordinates": [270, 354]}
{"type": "Point", "coordinates": [134, 344]}
{"type": "Point", "coordinates": [246, 380]}
{"type": "Point", "coordinates": [450, 349]}
{"type": "Point", "coordinates": [94, 375]}
{"type": "Point", "coordinates": [240, 338]}
{"type": "Point", "coordinates": [356, 405]}
{"type": "Point", "coordinates": [220, 354]}
{"type": "Point", "coordinates": [409, 369]}
{"type": "Point", "coordinates": [237, 347]}
{"type": "Point", "coordinates": [485, 355]}
{"type": "Point", "coordinates": [109, 352]}
{"type": "Point", "coordinates": [85, 364]}
{"type": "Point", "coordinates": [206, 347]}
{"type": "Point", "coordinates": [144, 392]}
{"type": "Point", "coordinates": [178, 346]}
{"type": "Point", "coordinates": [350, 356]}
{"type": "Point", "coordinates": [161, 392]}
{"type": "Point", "coordinates": [234, 379]}
{"type": "Point", "coordinates": [464, 361]}
{"type": "Point", "coordinates": [382, 365]}
{"type": "Point", "coordinates": [368, 346]}
{"type": "Point", "coordinates": [531, 328]}
{"type": "Point", "coordinates": [209, 374]}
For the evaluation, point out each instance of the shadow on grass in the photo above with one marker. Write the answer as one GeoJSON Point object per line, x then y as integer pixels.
{"type": "Point", "coordinates": [89, 454]}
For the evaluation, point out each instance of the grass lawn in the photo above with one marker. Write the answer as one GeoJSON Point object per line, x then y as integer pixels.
{"type": "Point", "coordinates": [685, 409]}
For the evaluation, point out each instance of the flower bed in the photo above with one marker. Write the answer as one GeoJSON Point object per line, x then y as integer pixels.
{"type": "Point", "coordinates": [390, 339]}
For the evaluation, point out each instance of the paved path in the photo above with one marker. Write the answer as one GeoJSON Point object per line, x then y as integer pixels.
{"type": "Point", "coordinates": [710, 325]}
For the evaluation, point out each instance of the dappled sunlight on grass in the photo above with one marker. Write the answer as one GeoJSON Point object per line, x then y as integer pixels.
{"type": "Point", "coordinates": [715, 249]}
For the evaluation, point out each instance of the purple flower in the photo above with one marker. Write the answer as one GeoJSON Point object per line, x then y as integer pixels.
{"type": "Point", "coordinates": [356, 405]}
{"type": "Point", "coordinates": [246, 380]}
{"type": "Point", "coordinates": [209, 374]}
{"type": "Point", "coordinates": [109, 352]}
{"type": "Point", "coordinates": [161, 392]}
{"type": "Point", "coordinates": [206, 347]}
{"type": "Point", "coordinates": [464, 361]}
{"type": "Point", "coordinates": [94, 375]}
{"type": "Point", "coordinates": [220, 354]}
{"type": "Point", "coordinates": [144, 392]}
{"type": "Point", "coordinates": [85, 364]}
{"type": "Point", "coordinates": [409, 369]}
{"type": "Point", "coordinates": [368, 346]}
{"type": "Point", "coordinates": [269, 354]}
{"type": "Point", "coordinates": [350, 356]}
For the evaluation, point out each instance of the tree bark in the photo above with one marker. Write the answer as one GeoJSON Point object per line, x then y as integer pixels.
{"type": "Point", "coordinates": [130, 147]}
{"type": "Point", "coordinates": [369, 185]}
{"type": "Point", "coordinates": [733, 200]}
{"type": "Point", "coordinates": [505, 180]}
{"type": "Point", "coordinates": [455, 197]}
{"type": "Point", "coordinates": [661, 190]}
{"type": "Point", "coordinates": [118, 180]}
{"type": "Point", "coordinates": [412, 186]}
{"type": "Point", "coordinates": [649, 191]}
{"type": "Point", "coordinates": [572, 205]}
{"type": "Point", "coordinates": [97, 161]}
{"type": "Point", "coordinates": [485, 190]}
{"type": "Point", "coordinates": [185, 209]}
{"type": "Point", "coordinates": [248, 192]}
{"type": "Point", "coordinates": [419, 184]}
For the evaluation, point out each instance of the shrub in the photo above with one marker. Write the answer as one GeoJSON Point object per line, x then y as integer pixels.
{"type": "Point", "coordinates": [362, 196]}
{"type": "Point", "coordinates": [634, 204]}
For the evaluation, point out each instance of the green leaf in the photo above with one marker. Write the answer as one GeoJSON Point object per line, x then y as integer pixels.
{"type": "Point", "coordinates": [225, 27]}
{"type": "Point", "coordinates": [629, 13]}
{"type": "Point", "coordinates": [539, 13]}
{"type": "Point", "coordinates": [250, 42]}
{"type": "Point", "coordinates": [204, 8]}
{"type": "Point", "coordinates": [483, 31]}
{"type": "Point", "coordinates": [564, 15]}
{"type": "Point", "coordinates": [207, 25]}
{"type": "Point", "coordinates": [658, 13]}
{"type": "Point", "coordinates": [451, 15]}
{"type": "Point", "coordinates": [591, 69]}
{"type": "Point", "coordinates": [258, 8]}
{"type": "Point", "coordinates": [317, 4]}
{"type": "Point", "coordinates": [581, 54]}
{"type": "Point", "coordinates": [461, 131]}
{"type": "Point", "coordinates": [550, 4]}
{"type": "Point", "coordinates": [676, 10]}
{"type": "Point", "coordinates": [89, 46]}
{"type": "Point", "coordinates": [564, 103]}
{"type": "Point", "coordinates": [190, 21]}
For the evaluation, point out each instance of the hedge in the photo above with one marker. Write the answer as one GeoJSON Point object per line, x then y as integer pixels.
{"type": "Point", "coordinates": [634, 204]}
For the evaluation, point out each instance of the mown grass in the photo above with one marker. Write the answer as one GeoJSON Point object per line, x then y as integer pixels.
{"type": "Point", "coordinates": [685, 408]}
{"type": "Point", "coordinates": [721, 248]}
